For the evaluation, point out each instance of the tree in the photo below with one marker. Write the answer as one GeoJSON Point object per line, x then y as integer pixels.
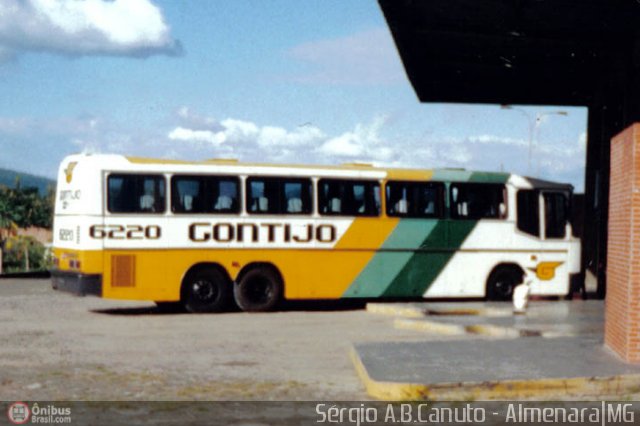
{"type": "Point", "coordinates": [22, 208]}
{"type": "Point", "coordinates": [25, 207]}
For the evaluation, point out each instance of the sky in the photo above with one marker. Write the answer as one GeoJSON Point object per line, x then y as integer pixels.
{"type": "Point", "coordinates": [279, 81]}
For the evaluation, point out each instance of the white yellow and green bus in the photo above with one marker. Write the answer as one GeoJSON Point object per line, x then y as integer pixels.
{"type": "Point", "coordinates": [211, 234]}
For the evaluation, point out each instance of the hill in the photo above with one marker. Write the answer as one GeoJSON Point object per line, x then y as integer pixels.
{"type": "Point", "coordinates": [8, 178]}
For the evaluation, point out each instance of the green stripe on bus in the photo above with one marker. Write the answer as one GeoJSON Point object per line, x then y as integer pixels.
{"type": "Point", "coordinates": [488, 177]}
{"type": "Point", "coordinates": [423, 267]}
{"type": "Point", "coordinates": [447, 175]}
{"type": "Point", "coordinates": [418, 250]}
{"type": "Point", "coordinates": [460, 175]}
{"type": "Point", "coordinates": [394, 254]}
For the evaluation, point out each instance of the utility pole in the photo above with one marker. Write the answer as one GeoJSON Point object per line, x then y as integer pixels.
{"type": "Point", "coordinates": [534, 124]}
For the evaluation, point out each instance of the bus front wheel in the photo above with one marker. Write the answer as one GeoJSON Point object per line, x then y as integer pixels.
{"type": "Point", "coordinates": [206, 290]}
{"type": "Point", "coordinates": [259, 290]}
{"type": "Point", "coordinates": [502, 281]}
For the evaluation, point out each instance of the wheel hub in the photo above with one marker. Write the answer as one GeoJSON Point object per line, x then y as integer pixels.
{"type": "Point", "coordinates": [204, 290]}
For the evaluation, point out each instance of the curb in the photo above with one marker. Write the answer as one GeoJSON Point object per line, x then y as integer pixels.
{"type": "Point", "coordinates": [409, 311]}
{"type": "Point", "coordinates": [560, 388]}
{"type": "Point", "coordinates": [451, 329]}
{"type": "Point", "coordinates": [398, 309]}
{"type": "Point", "coordinates": [496, 331]}
{"type": "Point", "coordinates": [429, 326]}
{"type": "Point", "coordinates": [484, 312]}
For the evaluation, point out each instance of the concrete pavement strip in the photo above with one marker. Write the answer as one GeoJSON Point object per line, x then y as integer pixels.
{"type": "Point", "coordinates": [532, 368]}
{"type": "Point", "coordinates": [422, 309]}
{"type": "Point", "coordinates": [546, 319]}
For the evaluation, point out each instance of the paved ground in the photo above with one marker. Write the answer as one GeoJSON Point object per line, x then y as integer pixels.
{"type": "Point", "coordinates": [555, 351]}
{"type": "Point", "coordinates": [54, 346]}
{"type": "Point", "coordinates": [543, 318]}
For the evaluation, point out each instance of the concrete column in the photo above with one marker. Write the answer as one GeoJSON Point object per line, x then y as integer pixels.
{"type": "Point", "coordinates": [622, 305]}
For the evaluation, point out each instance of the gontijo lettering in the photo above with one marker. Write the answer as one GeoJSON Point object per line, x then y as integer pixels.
{"type": "Point", "coordinates": [264, 232]}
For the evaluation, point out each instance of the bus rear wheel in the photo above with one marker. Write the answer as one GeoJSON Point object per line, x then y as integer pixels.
{"type": "Point", "coordinates": [502, 281]}
{"type": "Point", "coordinates": [206, 290]}
{"type": "Point", "coordinates": [259, 290]}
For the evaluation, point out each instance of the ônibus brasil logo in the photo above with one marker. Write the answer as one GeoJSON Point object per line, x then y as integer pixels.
{"type": "Point", "coordinates": [18, 413]}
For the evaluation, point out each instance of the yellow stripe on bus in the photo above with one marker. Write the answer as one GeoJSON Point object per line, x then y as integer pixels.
{"type": "Point", "coordinates": [409, 174]}
{"type": "Point", "coordinates": [157, 274]}
{"type": "Point", "coordinates": [361, 241]}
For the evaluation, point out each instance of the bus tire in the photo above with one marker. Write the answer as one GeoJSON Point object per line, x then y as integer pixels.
{"type": "Point", "coordinates": [502, 281]}
{"type": "Point", "coordinates": [259, 290]}
{"type": "Point", "coordinates": [206, 290]}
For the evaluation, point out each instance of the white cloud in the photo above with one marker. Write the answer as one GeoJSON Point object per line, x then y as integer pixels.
{"type": "Point", "coordinates": [302, 136]}
{"type": "Point", "coordinates": [182, 134]}
{"type": "Point", "coordinates": [239, 131]}
{"type": "Point", "coordinates": [241, 134]}
{"type": "Point", "coordinates": [367, 142]}
{"type": "Point", "coordinates": [234, 133]}
{"type": "Point", "coordinates": [342, 146]}
{"type": "Point", "coordinates": [197, 137]}
{"type": "Point", "coordinates": [306, 143]}
{"type": "Point", "coordinates": [84, 27]}
{"type": "Point", "coordinates": [367, 57]}
{"type": "Point", "coordinates": [492, 139]}
{"type": "Point", "coordinates": [364, 143]}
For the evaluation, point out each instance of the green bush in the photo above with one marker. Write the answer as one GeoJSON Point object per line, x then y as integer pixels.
{"type": "Point", "coordinates": [21, 251]}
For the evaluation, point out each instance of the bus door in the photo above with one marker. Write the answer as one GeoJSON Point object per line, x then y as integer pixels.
{"type": "Point", "coordinates": [542, 225]}
{"type": "Point", "coordinates": [555, 229]}
{"type": "Point", "coordinates": [133, 235]}
{"type": "Point", "coordinates": [529, 228]}
{"type": "Point", "coordinates": [556, 215]}
{"type": "Point", "coordinates": [529, 213]}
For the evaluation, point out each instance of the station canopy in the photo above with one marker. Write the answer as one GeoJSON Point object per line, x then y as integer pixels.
{"type": "Point", "coordinates": [545, 52]}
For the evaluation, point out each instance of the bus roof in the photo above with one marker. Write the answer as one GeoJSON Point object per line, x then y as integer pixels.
{"type": "Point", "coordinates": [109, 161]}
{"type": "Point", "coordinates": [392, 172]}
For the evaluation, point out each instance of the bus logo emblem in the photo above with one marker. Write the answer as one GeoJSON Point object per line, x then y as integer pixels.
{"type": "Point", "coordinates": [546, 270]}
{"type": "Point", "coordinates": [69, 171]}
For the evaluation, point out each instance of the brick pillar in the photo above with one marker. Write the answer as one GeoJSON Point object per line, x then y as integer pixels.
{"type": "Point", "coordinates": [622, 305]}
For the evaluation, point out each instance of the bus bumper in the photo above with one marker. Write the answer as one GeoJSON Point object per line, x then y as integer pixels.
{"type": "Point", "coordinates": [77, 283]}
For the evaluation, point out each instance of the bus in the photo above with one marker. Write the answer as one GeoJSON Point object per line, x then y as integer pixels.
{"type": "Point", "coordinates": [213, 234]}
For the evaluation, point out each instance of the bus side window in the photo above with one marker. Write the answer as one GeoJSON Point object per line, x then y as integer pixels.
{"type": "Point", "coordinates": [225, 195]}
{"type": "Point", "coordinates": [204, 194]}
{"type": "Point", "coordinates": [348, 197]}
{"type": "Point", "coordinates": [414, 199]}
{"type": "Point", "coordinates": [279, 195]}
{"type": "Point", "coordinates": [478, 201]}
{"type": "Point", "coordinates": [256, 194]}
{"type": "Point", "coordinates": [297, 196]}
{"type": "Point", "coordinates": [130, 193]}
